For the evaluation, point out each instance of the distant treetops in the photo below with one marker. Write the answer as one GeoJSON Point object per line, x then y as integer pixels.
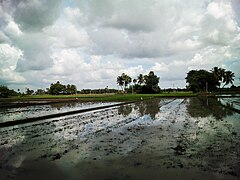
{"type": "Point", "coordinates": [58, 88]}
{"type": "Point", "coordinates": [5, 92]}
{"type": "Point", "coordinates": [202, 80]}
{"type": "Point", "coordinates": [143, 83]}
{"type": "Point", "coordinates": [197, 80]}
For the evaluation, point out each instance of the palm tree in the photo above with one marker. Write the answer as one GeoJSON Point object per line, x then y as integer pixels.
{"type": "Point", "coordinates": [140, 79]}
{"type": "Point", "coordinates": [228, 78]}
{"type": "Point", "coordinates": [120, 81]}
{"type": "Point", "coordinates": [126, 79]}
{"type": "Point", "coordinates": [134, 81]}
{"type": "Point", "coordinates": [218, 74]}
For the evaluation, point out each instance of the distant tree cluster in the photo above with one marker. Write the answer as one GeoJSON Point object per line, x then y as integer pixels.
{"type": "Point", "coordinates": [143, 83]}
{"type": "Point", "coordinates": [58, 88]}
{"type": "Point", "coordinates": [97, 91]}
{"type": "Point", "coordinates": [202, 80]}
{"type": "Point", "coordinates": [5, 92]}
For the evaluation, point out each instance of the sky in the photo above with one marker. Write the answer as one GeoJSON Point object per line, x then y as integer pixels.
{"type": "Point", "coordinates": [90, 42]}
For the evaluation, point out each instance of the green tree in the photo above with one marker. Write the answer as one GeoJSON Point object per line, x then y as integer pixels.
{"type": "Point", "coordinates": [127, 80]}
{"type": "Point", "coordinates": [134, 81]}
{"type": "Point", "coordinates": [124, 80]}
{"type": "Point", "coordinates": [5, 92]}
{"type": "Point", "coordinates": [57, 88]}
{"type": "Point", "coordinates": [29, 91]}
{"type": "Point", "coordinates": [40, 92]}
{"type": "Point", "coordinates": [201, 80]}
{"type": "Point", "coordinates": [140, 79]}
{"type": "Point", "coordinates": [151, 83]}
{"type": "Point", "coordinates": [223, 76]}
{"type": "Point", "coordinates": [228, 78]}
{"type": "Point", "coordinates": [120, 81]}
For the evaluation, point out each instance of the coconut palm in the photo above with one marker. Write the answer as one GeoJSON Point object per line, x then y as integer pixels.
{"type": "Point", "coordinates": [218, 74]}
{"type": "Point", "coordinates": [140, 79]}
{"type": "Point", "coordinates": [124, 80]}
{"type": "Point", "coordinates": [120, 81]}
{"type": "Point", "coordinates": [134, 81]}
{"type": "Point", "coordinates": [228, 78]}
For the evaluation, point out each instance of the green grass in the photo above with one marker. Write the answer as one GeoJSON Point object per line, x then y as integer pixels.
{"type": "Point", "coordinates": [105, 97]}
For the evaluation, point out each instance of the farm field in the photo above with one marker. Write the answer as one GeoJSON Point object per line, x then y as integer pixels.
{"type": "Point", "coordinates": [158, 138]}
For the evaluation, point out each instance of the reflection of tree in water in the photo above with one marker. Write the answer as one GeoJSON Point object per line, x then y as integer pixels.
{"type": "Point", "coordinates": [150, 107]}
{"type": "Point", "coordinates": [203, 107]}
{"type": "Point", "coordinates": [125, 110]}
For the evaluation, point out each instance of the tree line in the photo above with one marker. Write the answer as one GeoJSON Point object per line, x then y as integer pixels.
{"type": "Point", "coordinates": [143, 84]}
{"type": "Point", "coordinates": [197, 80]}
{"type": "Point", "coordinates": [202, 80]}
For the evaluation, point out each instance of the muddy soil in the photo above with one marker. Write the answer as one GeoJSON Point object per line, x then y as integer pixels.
{"type": "Point", "coordinates": [35, 110]}
{"type": "Point", "coordinates": [189, 138]}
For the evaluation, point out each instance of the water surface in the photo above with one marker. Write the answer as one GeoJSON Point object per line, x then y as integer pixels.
{"type": "Point", "coordinates": [184, 138]}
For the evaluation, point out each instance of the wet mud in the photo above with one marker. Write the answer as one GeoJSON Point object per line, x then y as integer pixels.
{"type": "Point", "coordinates": [188, 138]}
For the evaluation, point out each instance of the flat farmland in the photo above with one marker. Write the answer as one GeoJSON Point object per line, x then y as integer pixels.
{"type": "Point", "coordinates": [158, 138]}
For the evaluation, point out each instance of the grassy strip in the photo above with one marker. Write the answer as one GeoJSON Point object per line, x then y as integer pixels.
{"type": "Point", "coordinates": [105, 97]}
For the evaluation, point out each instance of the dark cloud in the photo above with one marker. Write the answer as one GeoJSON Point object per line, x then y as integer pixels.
{"type": "Point", "coordinates": [33, 15]}
{"type": "Point", "coordinates": [236, 8]}
{"type": "Point", "coordinates": [103, 38]}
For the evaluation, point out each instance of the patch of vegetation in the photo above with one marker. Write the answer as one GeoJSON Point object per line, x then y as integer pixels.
{"type": "Point", "coordinates": [5, 92]}
{"type": "Point", "coordinates": [106, 97]}
{"type": "Point", "coordinates": [208, 81]}
{"type": "Point", "coordinates": [144, 84]}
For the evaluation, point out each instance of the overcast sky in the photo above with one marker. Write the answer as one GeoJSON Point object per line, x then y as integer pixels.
{"type": "Point", "coordinates": [90, 42]}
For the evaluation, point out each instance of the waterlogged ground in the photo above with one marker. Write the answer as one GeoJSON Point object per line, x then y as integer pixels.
{"type": "Point", "coordinates": [192, 138]}
{"type": "Point", "coordinates": [11, 114]}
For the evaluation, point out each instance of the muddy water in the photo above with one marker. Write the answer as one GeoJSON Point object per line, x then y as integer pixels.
{"type": "Point", "coordinates": [193, 138]}
{"type": "Point", "coordinates": [12, 114]}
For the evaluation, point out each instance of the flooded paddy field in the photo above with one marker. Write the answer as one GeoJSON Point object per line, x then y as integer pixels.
{"type": "Point", "coordinates": [182, 138]}
{"type": "Point", "coordinates": [31, 111]}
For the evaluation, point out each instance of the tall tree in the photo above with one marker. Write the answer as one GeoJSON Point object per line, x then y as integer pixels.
{"type": "Point", "coordinates": [201, 80]}
{"type": "Point", "coordinates": [127, 80]}
{"type": "Point", "coordinates": [134, 81]}
{"type": "Point", "coordinates": [29, 91]}
{"type": "Point", "coordinates": [228, 78]}
{"type": "Point", "coordinates": [223, 76]}
{"type": "Point", "coordinates": [151, 82]}
{"type": "Point", "coordinates": [120, 81]}
{"type": "Point", "coordinates": [124, 80]}
{"type": "Point", "coordinates": [218, 74]}
{"type": "Point", "coordinates": [140, 79]}
{"type": "Point", "coordinates": [57, 88]}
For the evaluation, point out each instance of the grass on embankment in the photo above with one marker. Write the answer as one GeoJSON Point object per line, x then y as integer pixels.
{"type": "Point", "coordinates": [105, 97]}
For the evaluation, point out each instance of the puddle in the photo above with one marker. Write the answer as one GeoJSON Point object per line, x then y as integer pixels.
{"type": "Point", "coordinates": [189, 138]}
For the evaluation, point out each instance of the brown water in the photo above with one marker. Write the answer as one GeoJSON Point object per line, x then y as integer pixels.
{"type": "Point", "coordinates": [192, 138]}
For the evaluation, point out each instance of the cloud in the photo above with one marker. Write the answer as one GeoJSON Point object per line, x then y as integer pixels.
{"type": "Point", "coordinates": [34, 15]}
{"type": "Point", "coordinates": [236, 8]}
{"type": "Point", "coordinates": [12, 29]}
{"type": "Point", "coordinates": [3, 38]}
{"type": "Point", "coordinates": [74, 38]}
{"type": "Point", "coordinates": [70, 67]}
{"type": "Point", "coordinates": [36, 48]}
{"type": "Point", "coordinates": [161, 67]}
{"type": "Point", "coordinates": [91, 42]}
{"type": "Point", "coordinates": [8, 60]}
